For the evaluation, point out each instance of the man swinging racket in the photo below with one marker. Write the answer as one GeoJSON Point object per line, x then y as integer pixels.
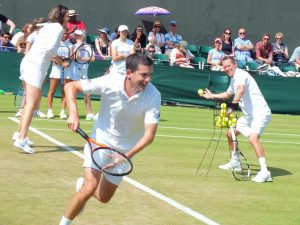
{"type": "Point", "coordinates": [127, 122]}
{"type": "Point", "coordinates": [256, 115]}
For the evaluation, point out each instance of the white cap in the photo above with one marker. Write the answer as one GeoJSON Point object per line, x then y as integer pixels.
{"type": "Point", "coordinates": [122, 28]}
{"type": "Point", "coordinates": [79, 32]}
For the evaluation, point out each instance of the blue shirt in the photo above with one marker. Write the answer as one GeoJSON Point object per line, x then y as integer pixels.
{"type": "Point", "coordinates": [176, 39]}
{"type": "Point", "coordinates": [242, 54]}
{"type": "Point", "coordinates": [9, 48]}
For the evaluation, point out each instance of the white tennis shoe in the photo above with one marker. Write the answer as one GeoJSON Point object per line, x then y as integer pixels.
{"type": "Point", "coordinates": [63, 115]}
{"type": "Point", "coordinates": [89, 116]}
{"type": "Point", "coordinates": [262, 176]}
{"type": "Point", "coordinates": [18, 114]}
{"type": "Point", "coordinates": [23, 145]}
{"type": "Point", "coordinates": [50, 114]}
{"type": "Point", "coordinates": [16, 136]}
{"type": "Point", "coordinates": [232, 165]}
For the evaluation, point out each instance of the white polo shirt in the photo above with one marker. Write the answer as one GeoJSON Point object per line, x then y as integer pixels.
{"type": "Point", "coordinates": [252, 102]}
{"type": "Point", "coordinates": [122, 120]}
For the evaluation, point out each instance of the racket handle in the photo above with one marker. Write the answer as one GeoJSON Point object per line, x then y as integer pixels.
{"type": "Point", "coordinates": [82, 133]}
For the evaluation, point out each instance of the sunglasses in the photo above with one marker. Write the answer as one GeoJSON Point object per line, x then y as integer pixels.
{"type": "Point", "coordinates": [279, 38]}
{"type": "Point", "coordinates": [266, 39]}
{"type": "Point", "coordinates": [227, 33]}
{"type": "Point", "coordinates": [152, 51]}
{"type": "Point", "coordinates": [242, 33]}
{"type": "Point", "coordinates": [157, 26]}
{"type": "Point", "coordinates": [6, 37]}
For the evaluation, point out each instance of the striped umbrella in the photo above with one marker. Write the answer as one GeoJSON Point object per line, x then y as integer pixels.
{"type": "Point", "coordinates": [152, 10]}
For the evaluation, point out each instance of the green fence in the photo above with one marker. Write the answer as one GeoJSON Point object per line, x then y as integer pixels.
{"type": "Point", "coordinates": [178, 84]}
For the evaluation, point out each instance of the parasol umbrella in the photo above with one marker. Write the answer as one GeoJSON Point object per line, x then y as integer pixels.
{"type": "Point", "coordinates": [152, 10]}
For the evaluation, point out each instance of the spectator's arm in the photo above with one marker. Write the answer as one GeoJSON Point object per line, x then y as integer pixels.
{"type": "Point", "coordinates": [12, 25]}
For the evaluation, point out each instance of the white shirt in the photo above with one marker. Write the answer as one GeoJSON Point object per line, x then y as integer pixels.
{"type": "Point", "coordinates": [31, 38]}
{"type": "Point", "coordinates": [45, 46]}
{"type": "Point", "coordinates": [252, 102]}
{"type": "Point", "coordinates": [124, 48]}
{"type": "Point", "coordinates": [122, 120]}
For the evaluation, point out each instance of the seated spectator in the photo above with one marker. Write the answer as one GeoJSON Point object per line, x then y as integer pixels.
{"type": "Point", "coordinates": [172, 39]}
{"type": "Point", "coordinates": [151, 50]}
{"type": "Point", "coordinates": [295, 58]}
{"type": "Point", "coordinates": [242, 48]}
{"type": "Point", "coordinates": [152, 42]}
{"type": "Point", "coordinates": [264, 51]}
{"type": "Point", "coordinates": [280, 51]}
{"type": "Point", "coordinates": [139, 39]}
{"type": "Point", "coordinates": [5, 45]}
{"type": "Point", "coordinates": [215, 56]}
{"type": "Point", "coordinates": [75, 24]}
{"type": "Point", "coordinates": [156, 38]}
{"type": "Point", "coordinates": [181, 56]}
{"type": "Point", "coordinates": [20, 38]}
{"type": "Point", "coordinates": [121, 48]}
{"type": "Point", "coordinates": [113, 35]}
{"type": "Point", "coordinates": [227, 47]}
{"type": "Point", "coordinates": [103, 44]}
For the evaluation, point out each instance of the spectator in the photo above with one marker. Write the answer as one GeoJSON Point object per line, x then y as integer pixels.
{"type": "Point", "coordinates": [227, 46]}
{"type": "Point", "coordinates": [103, 44]}
{"type": "Point", "coordinates": [150, 50]}
{"type": "Point", "coordinates": [172, 39]}
{"type": "Point", "coordinates": [20, 38]}
{"type": "Point", "coordinates": [77, 74]}
{"type": "Point", "coordinates": [75, 24]}
{"type": "Point", "coordinates": [55, 76]}
{"type": "Point", "coordinates": [181, 56]}
{"type": "Point", "coordinates": [280, 51]}
{"type": "Point", "coordinates": [121, 48]}
{"type": "Point", "coordinates": [156, 38]}
{"type": "Point", "coordinates": [216, 55]}
{"type": "Point", "coordinates": [242, 48]}
{"type": "Point", "coordinates": [264, 51]}
{"type": "Point", "coordinates": [295, 58]}
{"type": "Point", "coordinates": [139, 39]}
{"type": "Point", "coordinates": [5, 20]}
{"type": "Point", "coordinates": [5, 45]}
{"type": "Point", "coordinates": [113, 35]}
{"type": "Point", "coordinates": [153, 43]}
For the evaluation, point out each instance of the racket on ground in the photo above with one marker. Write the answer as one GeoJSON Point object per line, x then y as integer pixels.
{"type": "Point", "coordinates": [105, 157]}
{"type": "Point", "coordinates": [64, 52]}
{"type": "Point", "coordinates": [244, 172]}
{"type": "Point", "coordinates": [19, 100]}
{"type": "Point", "coordinates": [83, 55]}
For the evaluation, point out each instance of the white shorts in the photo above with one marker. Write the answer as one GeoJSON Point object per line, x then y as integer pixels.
{"type": "Point", "coordinates": [116, 180]}
{"type": "Point", "coordinates": [32, 74]}
{"type": "Point", "coordinates": [247, 126]}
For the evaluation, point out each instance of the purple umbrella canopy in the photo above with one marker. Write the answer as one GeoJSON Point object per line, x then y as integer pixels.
{"type": "Point", "coordinates": [152, 10]}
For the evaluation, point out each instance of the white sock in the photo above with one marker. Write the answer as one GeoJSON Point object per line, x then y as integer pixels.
{"type": "Point", "coordinates": [62, 111]}
{"type": "Point", "coordinates": [65, 221]}
{"type": "Point", "coordinates": [262, 163]}
{"type": "Point", "coordinates": [235, 155]}
{"type": "Point", "coordinates": [49, 110]}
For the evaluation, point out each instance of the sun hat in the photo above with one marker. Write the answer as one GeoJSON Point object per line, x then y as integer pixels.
{"type": "Point", "coordinates": [173, 22]}
{"type": "Point", "coordinates": [156, 23]}
{"type": "Point", "coordinates": [72, 12]}
{"type": "Point", "coordinates": [79, 32]}
{"type": "Point", "coordinates": [104, 30]}
{"type": "Point", "coordinates": [122, 28]}
{"type": "Point", "coordinates": [218, 40]}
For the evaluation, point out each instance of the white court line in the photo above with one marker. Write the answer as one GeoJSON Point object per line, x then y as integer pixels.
{"type": "Point", "coordinates": [199, 138]}
{"type": "Point", "coordinates": [142, 187]}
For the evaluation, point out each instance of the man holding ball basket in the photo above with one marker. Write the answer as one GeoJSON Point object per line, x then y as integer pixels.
{"type": "Point", "coordinates": [257, 114]}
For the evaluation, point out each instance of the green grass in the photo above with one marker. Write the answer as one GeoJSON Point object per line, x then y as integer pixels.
{"type": "Point", "coordinates": [34, 189]}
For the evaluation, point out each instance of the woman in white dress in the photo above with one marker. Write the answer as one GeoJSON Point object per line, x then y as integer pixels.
{"type": "Point", "coordinates": [34, 68]}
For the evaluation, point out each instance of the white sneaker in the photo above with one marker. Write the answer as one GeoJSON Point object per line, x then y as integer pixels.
{"type": "Point", "coordinates": [50, 114]}
{"type": "Point", "coordinates": [63, 115]}
{"type": "Point", "coordinates": [79, 184]}
{"type": "Point", "coordinates": [18, 114]}
{"type": "Point", "coordinates": [89, 116]}
{"type": "Point", "coordinates": [262, 176]}
{"type": "Point", "coordinates": [96, 116]}
{"type": "Point", "coordinates": [23, 145]}
{"type": "Point", "coordinates": [41, 114]}
{"type": "Point", "coordinates": [16, 136]}
{"type": "Point", "coordinates": [232, 165]}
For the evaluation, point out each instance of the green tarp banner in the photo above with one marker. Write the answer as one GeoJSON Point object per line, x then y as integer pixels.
{"type": "Point", "coordinates": [177, 84]}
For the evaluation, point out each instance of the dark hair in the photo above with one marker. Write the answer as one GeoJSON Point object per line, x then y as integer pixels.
{"type": "Point", "coordinates": [57, 14]}
{"type": "Point", "coordinates": [7, 33]}
{"type": "Point", "coordinates": [228, 57]}
{"type": "Point", "coordinates": [223, 35]}
{"type": "Point", "coordinates": [136, 59]}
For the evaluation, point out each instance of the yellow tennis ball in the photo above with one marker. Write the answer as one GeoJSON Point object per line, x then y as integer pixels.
{"type": "Point", "coordinates": [231, 116]}
{"type": "Point", "coordinates": [200, 92]}
{"type": "Point", "coordinates": [223, 106]}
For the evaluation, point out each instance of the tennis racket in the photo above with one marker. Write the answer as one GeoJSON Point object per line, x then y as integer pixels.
{"type": "Point", "coordinates": [244, 172]}
{"type": "Point", "coordinates": [19, 100]}
{"type": "Point", "coordinates": [106, 159]}
{"type": "Point", "coordinates": [64, 52]}
{"type": "Point", "coordinates": [83, 55]}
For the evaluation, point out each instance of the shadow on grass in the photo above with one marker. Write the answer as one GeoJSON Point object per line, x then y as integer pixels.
{"type": "Point", "coordinates": [52, 149]}
{"type": "Point", "coordinates": [276, 172]}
